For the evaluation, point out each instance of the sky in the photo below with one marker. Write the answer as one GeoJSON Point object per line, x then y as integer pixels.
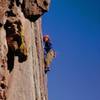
{"type": "Point", "coordinates": [74, 27]}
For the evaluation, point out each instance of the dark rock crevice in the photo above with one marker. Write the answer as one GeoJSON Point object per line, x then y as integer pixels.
{"type": "Point", "coordinates": [14, 42]}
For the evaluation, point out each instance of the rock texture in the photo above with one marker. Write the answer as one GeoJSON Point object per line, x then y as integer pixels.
{"type": "Point", "coordinates": [33, 9]}
{"type": "Point", "coordinates": [22, 75]}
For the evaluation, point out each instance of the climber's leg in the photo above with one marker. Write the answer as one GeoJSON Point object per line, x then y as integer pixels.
{"type": "Point", "coordinates": [48, 59]}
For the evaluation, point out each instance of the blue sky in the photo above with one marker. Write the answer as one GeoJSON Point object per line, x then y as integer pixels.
{"type": "Point", "coordinates": [74, 26]}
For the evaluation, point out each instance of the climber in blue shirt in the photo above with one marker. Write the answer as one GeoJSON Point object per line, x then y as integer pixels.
{"type": "Point", "coordinates": [49, 53]}
{"type": "Point", "coordinates": [47, 43]}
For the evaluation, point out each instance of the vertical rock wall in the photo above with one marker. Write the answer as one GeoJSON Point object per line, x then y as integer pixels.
{"type": "Point", "coordinates": [20, 31]}
{"type": "Point", "coordinates": [27, 80]}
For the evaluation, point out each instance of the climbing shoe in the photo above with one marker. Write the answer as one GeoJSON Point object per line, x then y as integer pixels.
{"type": "Point", "coordinates": [47, 69]}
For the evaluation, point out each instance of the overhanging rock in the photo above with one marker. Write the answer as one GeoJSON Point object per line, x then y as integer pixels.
{"type": "Point", "coordinates": [33, 9]}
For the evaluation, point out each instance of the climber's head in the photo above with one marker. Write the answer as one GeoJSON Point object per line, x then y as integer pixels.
{"type": "Point", "coordinates": [46, 38]}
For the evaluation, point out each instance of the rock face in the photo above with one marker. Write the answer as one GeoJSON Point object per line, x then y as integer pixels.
{"type": "Point", "coordinates": [22, 75]}
{"type": "Point", "coordinates": [33, 9]}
